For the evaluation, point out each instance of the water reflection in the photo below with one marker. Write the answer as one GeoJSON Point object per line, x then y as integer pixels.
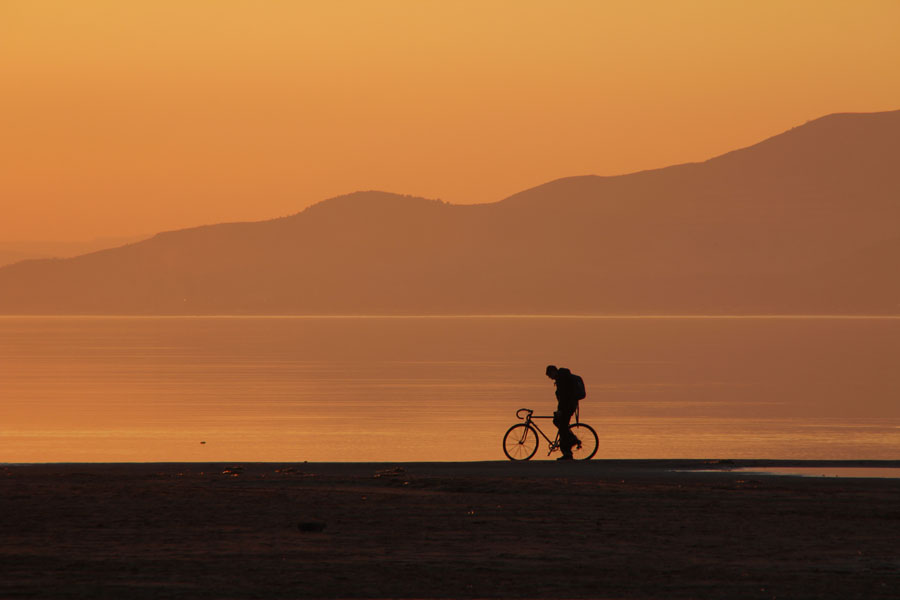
{"type": "Point", "coordinates": [866, 472]}
{"type": "Point", "coordinates": [332, 389]}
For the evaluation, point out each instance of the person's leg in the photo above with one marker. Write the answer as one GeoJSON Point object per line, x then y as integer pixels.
{"type": "Point", "coordinates": [566, 438]}
{"type": "Point", "coordinates": [561, 426]}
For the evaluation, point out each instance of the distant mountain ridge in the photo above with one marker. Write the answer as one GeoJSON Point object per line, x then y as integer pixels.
{"type": "Point", "coordinates": [807, 221]}
{"type": "Point", "coordinates": [11, 252]}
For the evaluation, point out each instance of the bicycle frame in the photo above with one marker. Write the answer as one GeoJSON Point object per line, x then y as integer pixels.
{"type": "Point", "coordinates": [523, 440]}
{"type": "Point", "coordinates": [529, 420]}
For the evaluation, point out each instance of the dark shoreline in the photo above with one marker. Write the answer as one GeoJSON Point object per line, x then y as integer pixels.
{"type": "Point", "coordinates": [601, 529]}
{"type": "Point", "coordinates": [597, 468]}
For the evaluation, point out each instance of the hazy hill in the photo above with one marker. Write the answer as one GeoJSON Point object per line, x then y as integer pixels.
{"type": "Point", "coordinates": [9, 256]}
{"type": "Point", "coordinates": [807, 221]}
{"type": "Point", "coordinates": [11, 252]}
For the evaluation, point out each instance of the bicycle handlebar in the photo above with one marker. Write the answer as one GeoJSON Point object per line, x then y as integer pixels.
{"type": "Point", "coordinates": [527, 410]}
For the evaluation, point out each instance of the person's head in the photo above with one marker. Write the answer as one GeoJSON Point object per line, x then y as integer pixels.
{"type": "Point", "coordinates": [552, 371]}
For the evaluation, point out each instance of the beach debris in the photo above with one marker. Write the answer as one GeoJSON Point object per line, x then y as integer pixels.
{"type": "Point", "coordinates": [751, 483]}
{"type": "Point", "coordinates": [311, 526]}
{"type": "Point", "coordinates": [233, 471]}
{"type": "Point", "coordinates": [391, 472]}
{"type": "Point", "coordinates": [294, 472]}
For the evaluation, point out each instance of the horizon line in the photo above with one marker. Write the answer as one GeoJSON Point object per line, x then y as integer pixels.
{"type": "Point", "coordinates": [663, 316]}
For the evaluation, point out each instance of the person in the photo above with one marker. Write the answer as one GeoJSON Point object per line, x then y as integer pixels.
{"type": "Point", "coordinates": [567, 404]}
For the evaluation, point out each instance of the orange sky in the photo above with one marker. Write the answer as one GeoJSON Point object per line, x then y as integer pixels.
{"type": "Point", "coordinates": [122, 118]}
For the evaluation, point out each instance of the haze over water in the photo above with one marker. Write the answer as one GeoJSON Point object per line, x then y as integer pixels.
{"type": "Point", "coordinates": [442, 388]}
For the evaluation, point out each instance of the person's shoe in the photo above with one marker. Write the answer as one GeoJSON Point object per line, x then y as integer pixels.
{"type": "Point", "coordinates": [565, 457]}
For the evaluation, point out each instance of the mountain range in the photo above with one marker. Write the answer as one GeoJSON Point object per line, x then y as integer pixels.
{"type": "Point", "coordinates": [12, 252]}
{"type": "Point", "coordinates": [805, 222]}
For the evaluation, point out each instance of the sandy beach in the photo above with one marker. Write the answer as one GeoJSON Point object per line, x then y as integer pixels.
{"type": "Point", "coordinates": [602, 529]}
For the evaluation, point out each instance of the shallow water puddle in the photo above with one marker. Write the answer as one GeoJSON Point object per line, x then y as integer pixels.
{"type": "Point", "coordinates": [867, 472]}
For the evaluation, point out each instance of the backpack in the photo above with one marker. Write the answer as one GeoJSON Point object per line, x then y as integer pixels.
{"type": "Point", "coordinates": [574, 384]}
{"type": "Point", "coordinates": [578, 387]}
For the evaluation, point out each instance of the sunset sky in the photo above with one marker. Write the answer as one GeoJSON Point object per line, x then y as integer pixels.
{"type": "Point", "coordinates": [131, 117]}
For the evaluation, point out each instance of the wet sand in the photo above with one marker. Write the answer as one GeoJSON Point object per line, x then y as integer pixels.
{"type": "Point", "coordinates": [602, 529]}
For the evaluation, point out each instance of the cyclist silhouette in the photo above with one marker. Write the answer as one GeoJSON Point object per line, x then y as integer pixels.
{"type": "Point", "coordinates": [567, 402]}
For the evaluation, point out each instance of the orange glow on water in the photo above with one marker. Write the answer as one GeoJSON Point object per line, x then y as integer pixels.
{"type": "Point", "coordinates": [441, 389]}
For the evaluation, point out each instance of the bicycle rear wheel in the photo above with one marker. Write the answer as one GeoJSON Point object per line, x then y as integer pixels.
{"type": "Point", "coordinates": [520, 442]}
{"type": "Point", "coordinates": [588, 441]}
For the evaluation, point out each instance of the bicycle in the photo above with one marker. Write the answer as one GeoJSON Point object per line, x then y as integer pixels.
{"type": "Point", "coordinates": [521, 440]}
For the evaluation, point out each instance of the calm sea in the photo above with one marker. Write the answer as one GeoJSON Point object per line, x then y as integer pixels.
{"type": "Point", "coordinates": [442, 388]}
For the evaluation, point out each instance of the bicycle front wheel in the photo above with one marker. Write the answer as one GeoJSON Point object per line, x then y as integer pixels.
{"type": "Point", "coordinates": [588, 441]}
{"type": "Point", "coordinates": [520, 442]}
